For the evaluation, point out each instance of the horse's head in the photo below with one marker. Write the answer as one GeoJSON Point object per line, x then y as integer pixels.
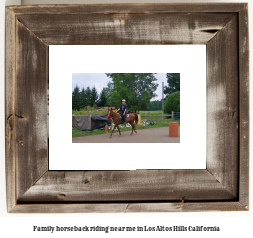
{"type": "Point", "coordinates": [110, 112]}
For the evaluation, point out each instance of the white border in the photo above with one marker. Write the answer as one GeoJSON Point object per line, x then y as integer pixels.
{"type": "Point", "coordinates": [188, 60]}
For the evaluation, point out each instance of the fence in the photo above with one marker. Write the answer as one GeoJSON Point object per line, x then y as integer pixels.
{"type": "Point", "coordinates": [173, 116]}
{"type": "Point", "coordinates": [176, 115]}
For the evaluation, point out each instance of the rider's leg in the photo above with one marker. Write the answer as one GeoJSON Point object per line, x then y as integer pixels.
{"type": "Point", "coordinates": [124, 120]}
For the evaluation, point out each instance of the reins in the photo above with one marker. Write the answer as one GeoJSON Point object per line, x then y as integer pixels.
{"type": "Point", "coordinates": [112, 117]}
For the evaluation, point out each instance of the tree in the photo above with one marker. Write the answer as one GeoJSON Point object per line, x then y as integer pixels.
{"type": "Point", "coordinates": [76, 98]}
{"type": "Point", "coordinates": [136, 88]}
{"type": "Point", "coordinates": [155, 105]}
{"type": "Point", "coordinates": [173, 80]}
{"type": "Point", "coordinates": [178, 108]}
{"type": "Point", "coordinates": [172, 102]}
{"type": "Point", "coordinates": [112, 97]}
{"type": "Point", "coordinates": [83, 98]}
{"type": "Point", "coordinates": [108, 91]}
{"type": "Point", "coordinates": [94, 96]}
{"type": "Point", "coordinates": [88, 96]}
{"type": "Point", "coordinates": [102, 98]}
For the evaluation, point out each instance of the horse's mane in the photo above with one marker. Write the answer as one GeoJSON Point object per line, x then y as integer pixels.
{"type": "Point", "coordinates": [114, 113]}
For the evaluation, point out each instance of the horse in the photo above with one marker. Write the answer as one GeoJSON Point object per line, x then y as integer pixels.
{"type": "Point", "coordinates": [116, 120]}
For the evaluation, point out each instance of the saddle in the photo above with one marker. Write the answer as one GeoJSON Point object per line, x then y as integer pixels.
{"type": "Point", "coordinates": [127, 115]}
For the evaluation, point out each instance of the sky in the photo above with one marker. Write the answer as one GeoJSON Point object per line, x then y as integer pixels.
{"type": "Point", "coordinates": [100, 80]}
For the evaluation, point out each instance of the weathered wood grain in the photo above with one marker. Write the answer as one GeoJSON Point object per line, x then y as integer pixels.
{"type": "Point", "coordinates": [10, 64]}
{"type": "Point", "coordinates": [30, 108]}
{"type": "Point", "coordinates": [139, 185]}
{"type": "Point", "coordinates": [223, 186]}
{"type": "Point", "coordinates": [186, 207]}
{"type": "Point", "coordinates": [243, 106]}
{"type": "Point", "coordinates": [129, 207]}
{"type": "Point", "coordinates": [153, 8]}
{"type": "Point", "coordinates": [222, 107]}
{"type": "Point", "coordinates": [131, 29]}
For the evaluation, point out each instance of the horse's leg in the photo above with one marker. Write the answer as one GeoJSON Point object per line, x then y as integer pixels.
{"type": "Point", "coordinates": [135, 124]}
{"type": "Point", "coordinates": [132, 124]}
{"type": "Point", "coordinates": [113, 130]}
{"type": "Point", "coordinates": [119, 130]}
{"type": "Point", "coordinates": [135, 128]}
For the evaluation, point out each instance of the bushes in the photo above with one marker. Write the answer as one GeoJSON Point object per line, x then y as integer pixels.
{"type": "Point", "coordinates": [172, 102]}
{"type": "Point", "coordinates": [178, 108]}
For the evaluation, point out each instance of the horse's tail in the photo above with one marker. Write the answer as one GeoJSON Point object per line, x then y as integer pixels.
{"type": "Point", "coordinates": [136, 119]}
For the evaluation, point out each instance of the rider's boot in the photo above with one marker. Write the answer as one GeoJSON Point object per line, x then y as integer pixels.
{"type": "Point", "coordinates": [124, 123]}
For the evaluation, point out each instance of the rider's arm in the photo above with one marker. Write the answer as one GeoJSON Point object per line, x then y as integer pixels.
{"type": "Point", "coordinates": [125, 109]}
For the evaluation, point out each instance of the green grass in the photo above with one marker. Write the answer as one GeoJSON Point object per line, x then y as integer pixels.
{"type": "Point", "coordinates": [157, 123]}
{"type": "Point", "coordinates": [77, 133]}
{"type": "Point", "coordinates": [162, 124]}
{"type": "Point", "coordinates": [90, 111]}
{"type": "Point", "coordinates": [94, 111]}
{"type": "Point", "coordinates": [151, 112]}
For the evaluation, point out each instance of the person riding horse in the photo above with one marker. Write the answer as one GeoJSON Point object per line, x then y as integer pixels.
{"type": "Point", "coordinates": [123, 111]}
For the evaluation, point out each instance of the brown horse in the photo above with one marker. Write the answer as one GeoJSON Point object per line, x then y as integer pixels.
{"type": "Point", "coordinates": [116, 120]}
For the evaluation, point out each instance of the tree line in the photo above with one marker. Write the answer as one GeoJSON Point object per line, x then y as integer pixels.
{"type": "Point", "coordinates": [172, 92]}
{"type": "Point", "coordinates": [155, 105]}
{"type": "Point", "coordinates": [136, 88]}
{"type": "Point", "coordinates": [88, 97]}
{"type": "Point", "coordinates": [172, 95]}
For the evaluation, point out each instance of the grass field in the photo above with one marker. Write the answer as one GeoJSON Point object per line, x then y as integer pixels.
{"type": "Point", "coordinates": [90, 111]}
{"type": "Point", "coordinates": [77, 133]}
{"type": "Point", "coordinates": [151, 112]}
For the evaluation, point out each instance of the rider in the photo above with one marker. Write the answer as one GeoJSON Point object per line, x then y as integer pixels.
{"type": "Point", "coordinates": [123, 110]}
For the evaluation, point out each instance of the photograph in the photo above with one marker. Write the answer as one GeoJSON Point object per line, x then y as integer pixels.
{"type": "Point", "coordinates": [126, 108]}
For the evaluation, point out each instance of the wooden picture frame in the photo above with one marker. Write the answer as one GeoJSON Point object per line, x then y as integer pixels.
{"type": "Point", "coordinates": [222, 186]}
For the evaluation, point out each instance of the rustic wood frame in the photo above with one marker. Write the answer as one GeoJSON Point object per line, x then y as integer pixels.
{"type": "Point", "coordinates": [223, 186]}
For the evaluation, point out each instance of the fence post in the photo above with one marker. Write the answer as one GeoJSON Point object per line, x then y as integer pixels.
{"type": "Point", "coordinates": [172, 117]}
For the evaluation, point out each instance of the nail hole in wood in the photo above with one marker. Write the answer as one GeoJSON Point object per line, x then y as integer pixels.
{"type": "Point", "coordinates": [86, 181]}
{"type": "Point", "coordinates": [61, 195]}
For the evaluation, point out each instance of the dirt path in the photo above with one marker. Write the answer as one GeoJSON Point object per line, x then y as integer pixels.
{"type": "Point", "coordinates": [153, 135]}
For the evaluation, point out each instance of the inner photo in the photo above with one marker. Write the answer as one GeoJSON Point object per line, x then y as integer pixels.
{"type": "Point", "coordinates": [125, 107]}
